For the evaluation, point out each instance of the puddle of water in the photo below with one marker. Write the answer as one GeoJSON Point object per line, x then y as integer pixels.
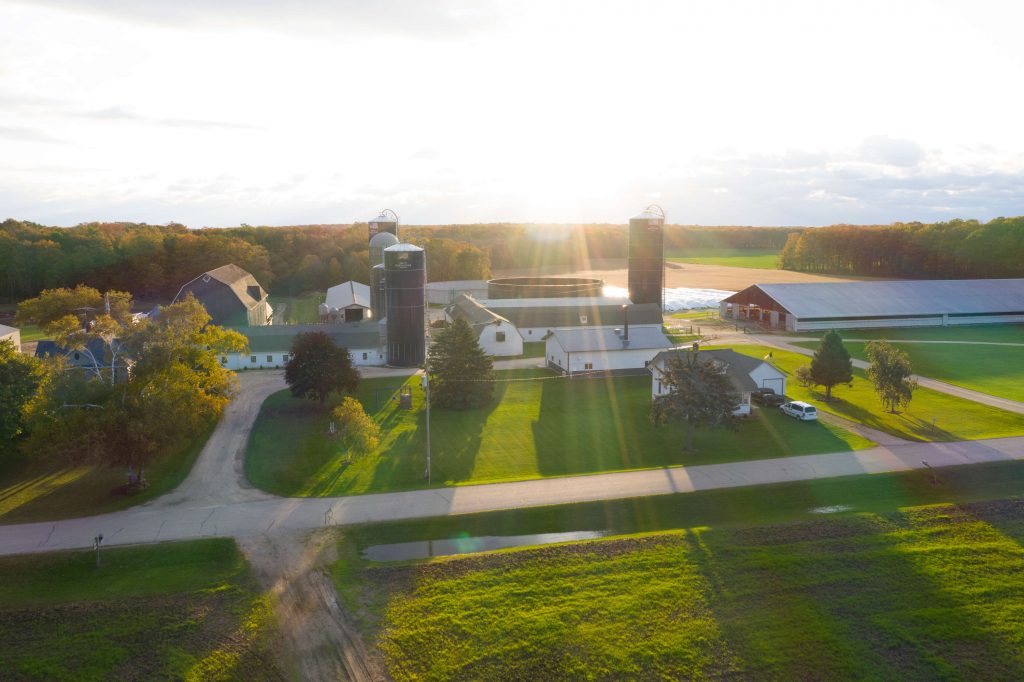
{"type": "Point", "coordinates": [834, 509]}
{"type": "Point", "coordinates": [424, 549]}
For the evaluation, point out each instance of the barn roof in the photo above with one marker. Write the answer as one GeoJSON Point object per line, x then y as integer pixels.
{"type": "Point", "coordinates": [737, 365]}
{"type": "Point", "coordinates": [473, 312]}
{"type": "Point", "coordinates": [609, 339]}
{"type": "Point", "coordinates": [890, 298]}
{"type": "Point", "coordinates": [241, 283]}
{"type": "Point", "coordinates": [279, 337]}
{"type": "Point", "coordinates": [348, 294]}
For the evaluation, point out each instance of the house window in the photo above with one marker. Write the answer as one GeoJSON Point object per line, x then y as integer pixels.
{"type": "Point", "coordinates": [270, 358]}
{"type": "Point", "coordinates": [284, 357]}
{"type": "Point", "coordinates": [499, 337]}
{"type": "Point", "coordinates": [659, 387]}
{"type": "Point", "coordinates": [583, 319]}
{"type": "Point", "coordinates": [529, 332]}
{"type": "Point", "coordinates": [223, 360]}
{"type": "Point", "coordinates": [252, 359]}
{"type": "Point", "coordinates": [588, 365]}
{"type": "Point", "coordinates": [365, 356]}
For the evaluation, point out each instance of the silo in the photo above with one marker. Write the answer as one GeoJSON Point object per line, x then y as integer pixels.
{"type": "Point", "coordinates": [405, 269]}
{"type": "Point", "coordinates": [387, 221]}
{"type": "Point", "coordinates": [647, 256]}
{"type": "Point", "coordinates": [378, 294]}
{"type": "Point", "coordinates": [378, 243]}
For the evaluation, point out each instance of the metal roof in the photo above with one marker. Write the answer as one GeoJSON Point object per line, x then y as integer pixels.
{"type": "Point", "coordinates": [736, 365]}
{"type": "Point", "coordinates": [5, 330]}
{"type": "Point", "coordinates": [383, 240]}
{"type": "Point", "coordinates": [891, 298]}
{"type": "Point", "coordinates": [472, 311]}
{"type": "Point", "coordinates": [609, 339]}
{"type": "Point", "coordinates": [579, 314]}
{"type": "Point", "coordinates": [561, 302]}
{"type": "Point", "coordinates": [403, 247]}
{"type": "Point", "coordinates": [279, 337]}
{"type": "Point", "coordinates": [348, 294]}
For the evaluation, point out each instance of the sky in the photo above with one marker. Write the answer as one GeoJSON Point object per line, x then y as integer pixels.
{"type": "Point", "coordinates": [274, 112]}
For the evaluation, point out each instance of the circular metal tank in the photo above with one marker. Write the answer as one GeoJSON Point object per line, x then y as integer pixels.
{"type": "Point", "coordinates": [544, 287]}
{"type": "Point", "coordinates": [378, 243]}
{"type": "Point", "coordinates": [387, 221]}
{"type": "Point", "coordinates": [405, 271]}
{"type": "Point", "coordinates": [646, 279]}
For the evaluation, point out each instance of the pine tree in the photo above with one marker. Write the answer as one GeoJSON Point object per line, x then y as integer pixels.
{"type": "Point", "coordinates": [831, 364]}
{"type": "Point", "coordinates": [461, 373]}
{"type": "Point", "coordinates": [699, 394]}
{"type": "Point", "coordinates": [891, 373]}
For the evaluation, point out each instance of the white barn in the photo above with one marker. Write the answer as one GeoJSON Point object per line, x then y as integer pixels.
{"type": "Point", "coordinates": [497, 336]}
{"type": "Point", "coordinates": [270, 347]}
{"type": "Point", "coordinates": [346, 302]}
{"type": "Point", "coordinates": [603, 349]}
{"type": "Point", "coordinates": [535, 318]}
{"type": "Point", "coordinates": [865, 305]}
{"type": "Point", "coordinates": [746, 374]}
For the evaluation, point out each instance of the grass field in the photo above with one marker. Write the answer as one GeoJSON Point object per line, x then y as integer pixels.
{"type": "Point", "coordinates": [766, 259]}
{"type": "Point", "coordinates": [532, 349]}
{"type": "Point", "coordinates": [304, 309]}
{"type": "Point", "coordinates": [996, 370]}
{"type": "Point", "coordinates": [993, 333]}
{"type": "Point", "coordinates": [954, 418]}
{"type": "Point", "coordinates": [535, 428]}
{"type": "Point", "coordinates": [31, 332]}
{"type": "Point", "coordinates": [37, 491]}
{"type": "Point", "coordinates": [186, 610]}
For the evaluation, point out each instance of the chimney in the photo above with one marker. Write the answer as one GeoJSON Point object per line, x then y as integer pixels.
{"type": "Point", "coordinates": [625, 322]}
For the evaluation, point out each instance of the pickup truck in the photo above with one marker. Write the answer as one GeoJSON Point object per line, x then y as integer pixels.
{"type": "Point", "coordinates": [800, 410]}
{"type": "Point", "coordinates": [767, 397]}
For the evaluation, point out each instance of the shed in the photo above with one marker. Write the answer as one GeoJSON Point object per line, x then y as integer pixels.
{"type": "Point", "coordinates": [746, 373]}
{"type": "Point", "coordinates": [604, 349]}
{"type": "Point", "coordinates": [497, 336]}
{"type": "Point", "coordinates": [347, 302]}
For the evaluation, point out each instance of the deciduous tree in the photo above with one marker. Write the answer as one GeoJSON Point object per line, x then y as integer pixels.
{"type": "Point", "coordinates": [831, 363]}
{"type": "Point", "coordinates": [356, 429]}
{"type": "Point", "coordinates": [461, 373]}
{"type": "Point", "coordinates": [699, 393]}
{"type": "Point", "coordinates": [20, 376]}
{"type": "Point", "coordinates": [318, 367]}
{"type": "Point", "coordinates": [891, 373]}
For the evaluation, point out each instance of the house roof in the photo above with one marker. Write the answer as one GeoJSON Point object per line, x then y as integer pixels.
{"type": "Point", "coordinates": [348, 294]}
{"type": "Point", "coordinates": [608, 339]}
{"type": "Point", "coordinates": [581, 312]}
{"type": "Point", "coordinates": [893, 298]}
{"type": "Point", "coordinates": [473, 312]}
{"type": "Point", "coordinates": [241, 283]}
{"type": "Point", "coordinates": [48, 348]}
{"type": "Point", "coordinates": [737, 365]}
{"type": "Point", "coordinates": [279, 337]}
{"type": "Point", "coordinates": [5, 330]}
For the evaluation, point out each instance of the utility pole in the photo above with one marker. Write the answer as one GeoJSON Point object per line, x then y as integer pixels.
{"type": "Point", "coordinates": [426, 389]}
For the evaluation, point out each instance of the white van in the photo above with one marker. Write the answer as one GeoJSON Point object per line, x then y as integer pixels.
{"type": "Point", "coordinates": [800, 410]}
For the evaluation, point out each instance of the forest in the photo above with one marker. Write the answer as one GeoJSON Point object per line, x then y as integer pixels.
{"type": "Point", "coordinates": [958, 249]}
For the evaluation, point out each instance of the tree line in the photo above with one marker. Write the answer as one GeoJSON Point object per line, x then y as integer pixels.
{"type": "Point", "coordinates": [956, 249]}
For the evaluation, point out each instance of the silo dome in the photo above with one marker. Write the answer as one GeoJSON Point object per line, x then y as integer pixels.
{"type": "Point", "coordinates": [378, 243]}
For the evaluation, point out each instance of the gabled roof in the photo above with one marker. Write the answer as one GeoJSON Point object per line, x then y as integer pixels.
{"type": "Point", "coordinates": [812, 300]}
{"type": "Point", "coordinates": [241, 283]}
{"type": "Point", "coordinates": [279, 337]}
{"type": "Point", "coordinates": [5, 330]}
{"type": "Point", "coordinates": [48, 348]}
{"type": "Point", "coordinates": [473, 312]}
{"type": "Point", "coordinates": [348, 294]}
{"type": "Point", "coordinates": [736, 365]}
{"type": "Point", "coordinates": [608, 339]}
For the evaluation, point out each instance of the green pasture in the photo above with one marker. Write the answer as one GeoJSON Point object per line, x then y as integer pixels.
{"type": "Point", "coordinates": [991, 333]}
{"type": "Point", "coordinates": [996, 370]}
{"type": "Point", "coordinates": [303, 309]}
{"type": "Point", "coordinates": [36, 490]}
{"type": "Point", "coordinates": [921, 593]}
{"type": "Point", "coordinates": [931, 416]}
{"type": "Point", "coordinates": [183, 610]}
{"type": "Point", "coordinates": [765, 259]}
{"type": "Point", "coordinates": [539, 425]}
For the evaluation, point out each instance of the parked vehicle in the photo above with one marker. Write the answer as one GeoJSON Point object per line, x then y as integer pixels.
{"type": "Point", "coordinates": [800, 410]}
{"type": "Point", "coordinates": [767, 397]}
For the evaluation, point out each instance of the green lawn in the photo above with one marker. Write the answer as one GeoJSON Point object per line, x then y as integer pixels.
{"type": "Point", "coordinates": [531, 349]}
{"type": "Point", "coordinates": [996, 370]}
{"type": "Point", "coordinates": [921, 593]}
{"type": "Point", "coordinates": [535, 428]}
{"type": "Point", "coordinates": [954, 418]}
{"type": "Point", "coordinates": [31, 332]}
{"type": "Point", "coordinates": [738, 258]}
{"type": "Point", "coordinates": [304, 309]}
{"type": "Point", "coordinates": [40, 491]}
{"type": "Point", "coordinates": [184, 610]}
{"type": "Point", "coordinates": [997, 333]}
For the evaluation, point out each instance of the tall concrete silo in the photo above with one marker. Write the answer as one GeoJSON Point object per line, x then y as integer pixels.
{"type": "Point", "coordinates": [378, 291]}
{"type": "Point", "coordinates": [646, 280]}
{"type": "Point", "coordinates": [387, 221]}
{"type": "Point", "coordinates": [378, 243]}
{"type": "Point", "coordinates": [405, 268]}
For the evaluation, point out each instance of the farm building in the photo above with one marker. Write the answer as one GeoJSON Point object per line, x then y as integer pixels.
{"type": "Point", "coordinates": [271, 346]}
{"type": "Point", "coordinates": [864, 305]}
{"type": "Point", "coordinates": [536, 317]}
{"type": "Point", "coordinates": [231, 296]}
{"type": "Point", "coordinates": [95, 358]}
{"type": "Point", "coordinates": [746, 374]}
{"type": "Point", "coordinates": [348, 302]}
{"type": "Point", "coordinates": [12, 334]}
{"type": "Point", "coordinates": [604, 349]}
{"type": "Point", "coordinates": [497, 336]}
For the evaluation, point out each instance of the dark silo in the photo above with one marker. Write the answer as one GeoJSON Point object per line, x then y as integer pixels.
{"type": "Point", "coordinates": [378, 294]}
{"type": "Point", "coordinates": [647, 256]}
{"type": "Point", "coordinates": [405, 268]}
{"type": "Point", "coordinates": [387, 221]}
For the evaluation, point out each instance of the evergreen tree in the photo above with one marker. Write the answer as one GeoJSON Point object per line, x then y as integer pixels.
{"type": "Point", "coordinates": [461, 373]}
{"type": "Point", "coordinates": [699, 394]}
{"type": "Point", "coordinates": [831, 363]}
{"type": "Point", "coordinates": [318, 367]}
{"type": "Point", "coordinates": [890, 372]}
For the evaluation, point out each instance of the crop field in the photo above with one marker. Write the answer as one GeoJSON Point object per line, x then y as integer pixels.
{"type": "Point", "coordinates": [923, 593]}
{"type": "Point", "coordinates": [996, 370]}
{"type": "Point", "coordinates": [931, 416]}
{"type": "Point", "coordinates": [766, 259]}
{"type": "Point", "coordinates": [537, 426]}
{"type": "Point", "coordinates": [185, 610]}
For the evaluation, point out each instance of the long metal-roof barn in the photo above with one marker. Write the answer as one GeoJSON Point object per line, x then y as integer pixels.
{"type": "Point", "coordinates": [862, 305]}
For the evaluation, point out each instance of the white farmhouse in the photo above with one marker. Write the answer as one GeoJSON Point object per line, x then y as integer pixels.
{"type": "Point", "coordinates": [497, 336]}
{"type": "Point", "coordinates": [603, 349]}
{"type": "Point", "coordinates": [747, 374]}
{"type": "Point", "coordinates": [270, 347]}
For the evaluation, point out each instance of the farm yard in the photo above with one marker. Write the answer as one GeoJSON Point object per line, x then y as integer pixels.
{"type": "Point", "coordinates": [537, 426]}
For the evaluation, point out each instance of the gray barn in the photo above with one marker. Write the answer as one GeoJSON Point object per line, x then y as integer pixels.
{"type": "Point", "coordinates": [232, 296]}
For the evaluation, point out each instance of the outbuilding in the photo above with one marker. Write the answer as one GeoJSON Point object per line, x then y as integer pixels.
{"type": "Point", "coordinates": [347, 302]}
{"type": "Point", "coordinates": [496, 335]}
{"type": "Point", "coordinates": [815, 306]}
{"type": "Point", "coordinates": [271, 346]}
{"type": "Point", "coordinates": [604, 349]}
{"type": "Point", "coordinates": [747, 374]}
{"type": "Point", "coordinates": [535, 318]}
{"type": "Point", "coordinates": [12, 334]}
